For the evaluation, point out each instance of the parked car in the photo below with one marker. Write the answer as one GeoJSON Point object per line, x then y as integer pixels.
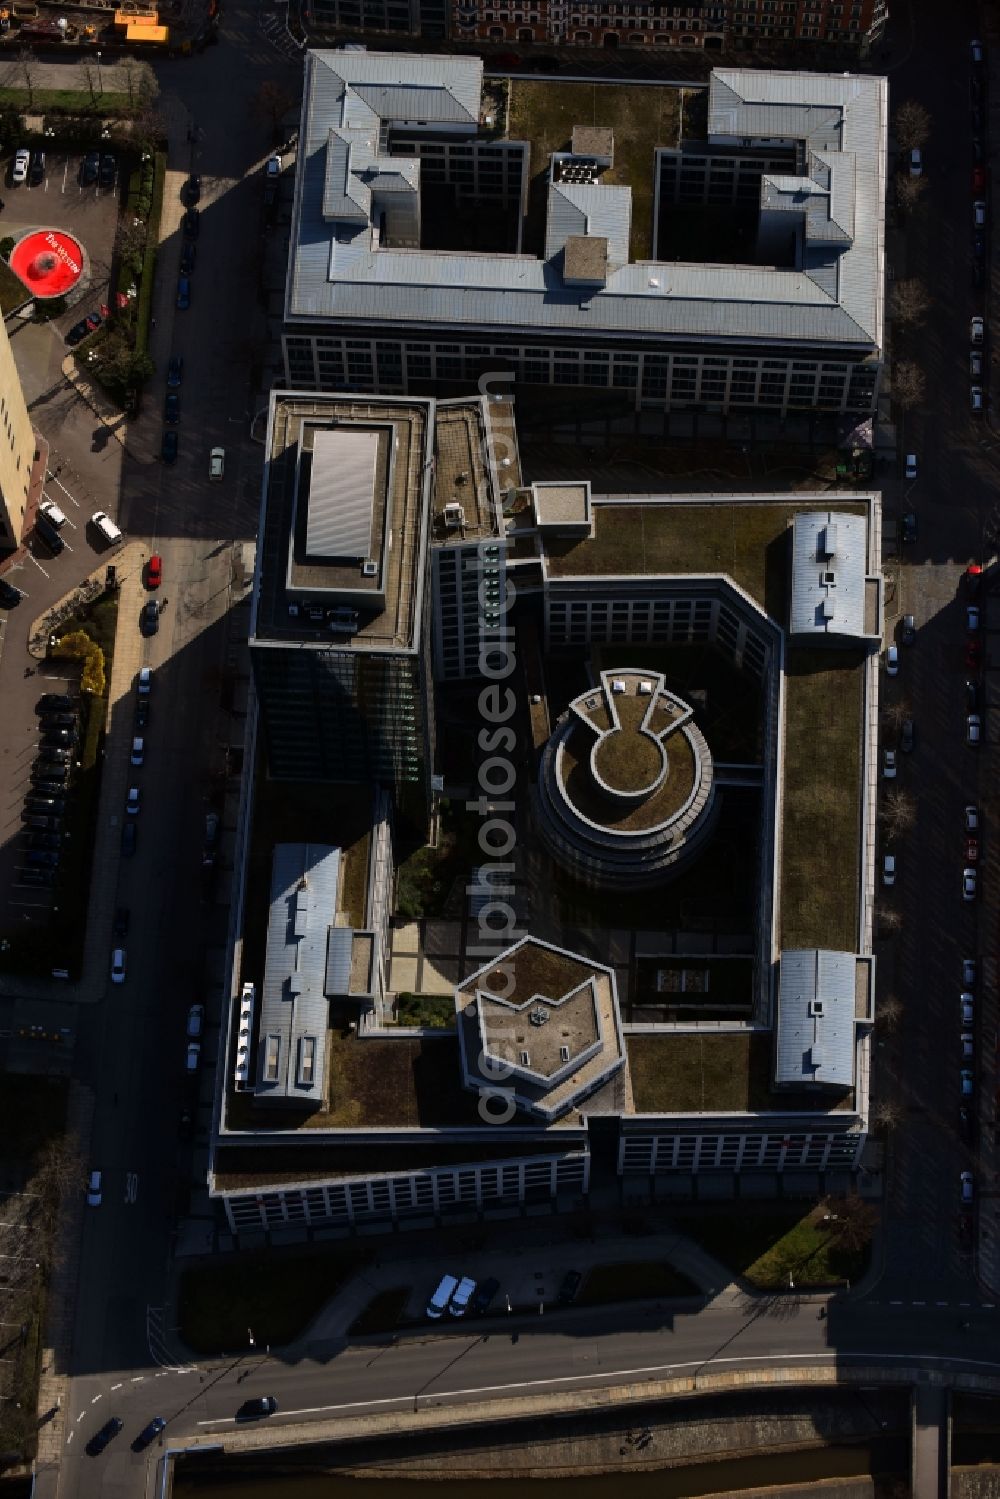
{"type": "Point", "coordinates": [101, 1438]}
{"type": "Point", "coordinates": [977, 329]}
{"type": "Point", "coordinates": [967, 1186]}
{"type": "Point", "coordinates": [22, 160]}
{"type": "Point", "coordinates": [908, 630]}
{"type": "Point", "coordinates": [36, 172]}
{"type": "Point", "coordinates": [132, 801]}
{"type": "Point", "coordinates": [94, 1189]}
{"type": "Point", "coordinates": [888, 869]}
{"type": "Point", "coordinates": [48, 534]}
{"type": "Point", "coordinates": [972, 618]}
{"type": "Point", "coordinates": [195, 1020]}
{"type": "Point", "coordinates": [907, 736]}
{"type": "Point", "coordinates": [118, 959]}
{"type": "Point", "coordinates": [967, 1082]}
{"type": "Point", "coordinates": [154, 571]}
{"type": "Point", "coordinates": [90, 168]}
{"type": "Point", "coordinates": [52, 754]}
{"type": "Point", "coordinates": [172, 408]}
{"type": "Point", "coordinates": [217, 463]}
{"type": "Point", "coordinates": [51, 511]}
{"type": "Point", "coordinates": [187, 257]}
{"type": "Point", "coordinates": [138, 750]}
{"type": "Point", "coordinates": [168, 446]}
{"type": "Point", "coordinates": [183, 293]}
{"type": "Point", "coordinates": [889, 764]}
{"type": "Point", "coordinates": [130, 837]}
{"type": "Point", "coordinates": [77, 332]}
{"type": "Point", "coordinates": [9, 595]}
{"type": "Point", "coordinates": [892, 660]}
{"type": "Point", "coordinates": [192, 1059]}
{"type": "Point", "coordinates": [144, 681]}
{"type": "Point", "coordinates": [191, 190]}
{"type": "Point", "coordinates": [910, 470]}
{"type": "Point", "coordinates": [272, 166]}
{"type": "Point", "coordinates": [972, 818]}
{"type": "Point", "coordinates": [971, 695]}
{"type": "Point", "coordinates": [976, 53]}
{"type": "Point", "coordinates": [210, 844]}
{"type": "Point", "coordinates": [976, 400]}
{"type": "Point", "coordinates": [150, 617]}
{"type": "Point", "coordinates": [142, 713]}
{"type": "Point", "coordinates": [149, 1433]}
{"type": "Point", "coordinates": [968, 972]}
{"type": "Point", "coordinates": [967, 1042]}
{"type": "Point", "coordinates": [973, 729]}
{"type": "Point", "coordinates": [191, 223]}
{"type": "Point", "coordinates": [969, 884]}
{"type": "Point", "coordinates": [975, 364]}
{"type": "Point", "coordinates": [973, 653]}
{"type": "Point", "coordinates": [979, 213]}
{"type": "Point", "coordinates": [58, 720]}
{"type": "Point", "coordinates": [109, 171]}
{"type": "Point", "coordinates": [485, 1295]}
{"type": "Point", "coordinates": [54, 702]}
{"type": "Point", "coordinates": [967, 1007]}
{"type": "Point", "coordinates": [916, 162]}
{"type": "Point", "coordinates": [175, 371]}
{"type": "Point", "coordinates": [569, 1287]}
{"type": "Point", "coordinates": [909, 527]}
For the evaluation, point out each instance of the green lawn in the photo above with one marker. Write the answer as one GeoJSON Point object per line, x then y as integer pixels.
{"type": "Point", "coordinates": [641, 118]}
{"type": "Point", "coordinates": [274, 1296]}
{"type": "Point", "coordinates": [764, 1247]}
{"type": "Point", "coordinates": [12, 292]}
{"type": "Point", "coordinates": [644, 1280]}
{"type": "Point", "coordinates": [690, 1073]}
{"type": "Point", "coordinates": [69, 100]}
{"type": "Point", "coordinates": [819, 871]}
{"type": "Point", "coordinates": [436, 1011]}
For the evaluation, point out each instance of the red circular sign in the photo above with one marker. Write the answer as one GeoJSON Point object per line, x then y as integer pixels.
{"type": "Point", "coordinates": [49, 262]}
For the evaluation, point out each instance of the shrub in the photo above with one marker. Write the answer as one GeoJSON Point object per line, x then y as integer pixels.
{"type": "Point", "coordinates": [6, 245]}
{"type": "Point", "coordinates": [78, 646]}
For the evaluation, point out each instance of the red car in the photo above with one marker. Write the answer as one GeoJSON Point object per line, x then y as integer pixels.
{"type": "Point", "coordinates": [971, 848]}
{"type": "Point", "coordinates": [978, 179]}
{"type": "Point", "coordinates": [973, 654]}
{"type": "Point", "coordinates": [154, 571]}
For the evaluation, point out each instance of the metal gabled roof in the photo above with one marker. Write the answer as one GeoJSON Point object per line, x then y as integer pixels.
{"type": "Point", "coordinates": [816, 1014]}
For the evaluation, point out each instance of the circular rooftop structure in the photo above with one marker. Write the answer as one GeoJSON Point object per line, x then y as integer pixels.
{"type": "Point", "coordinates": [49, 262]}
{"type": "Point", "coordinates": [626, 785]}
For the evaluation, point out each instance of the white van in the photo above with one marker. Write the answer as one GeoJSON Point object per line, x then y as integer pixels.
{"type": "Point", "coordinates": [438, 1304]}
{"type": "Point", "coordinates": [459, 1304]}
{"type": "Point", "coordinates": [106, 526]}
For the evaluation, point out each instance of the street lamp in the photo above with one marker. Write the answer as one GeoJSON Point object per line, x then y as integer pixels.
{"type": "Point", "coordinates": [100, 81]}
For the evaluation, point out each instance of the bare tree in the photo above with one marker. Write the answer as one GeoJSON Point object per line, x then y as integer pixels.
{"type": "Point", "coordinates": [149, 127]}
{"type": "Point", "coordinates": [854, 1221]}
{"type": "Point", "coordinates": [272, 101]}
{"type": "Point", "coordinates": [912, 125]}
{"type": "Point", "coordinates": [889, 920]}
{"type": "Point", "coordinates": [140, 82]}
{"type": "Point", "coordinates": [28, 71]}
{"type": "Point", "coordinates": [130, 240]}
{"type": "Point", "coordinates": [896, 713]}
{"type": "Point", "coordinates": [909, 191]}
{"type": "Point", "coordinates": [887, 1114]}
{"type": "Point", "coordinates": [909, 384]}
{"type": "Point", "coordinates": [898, 812]}
{"type": "Point", "coordinates": [90, 77]}
{"type": "Point", "coordinates": [909, 302]}
{"type": "Point", "coordinates": [888, 1012]}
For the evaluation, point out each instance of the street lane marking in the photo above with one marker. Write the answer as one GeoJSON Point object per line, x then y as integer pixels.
{"type": "Point", "coordinates": [614, 1374]}
{"type": "Point", "coordinates": [97, 1398]}
{"type": "Point", "coordinates": [117, 1386]}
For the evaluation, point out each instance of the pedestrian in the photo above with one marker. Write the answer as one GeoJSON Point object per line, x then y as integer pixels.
{"type": "Point", "coordinates": [29, 671]}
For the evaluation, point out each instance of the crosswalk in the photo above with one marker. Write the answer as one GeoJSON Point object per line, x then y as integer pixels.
{"type": "Point", "coordinates": [274, 25]}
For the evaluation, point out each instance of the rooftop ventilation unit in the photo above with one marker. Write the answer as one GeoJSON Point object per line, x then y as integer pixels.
{"type": "Point", "coordinates": [525, 1059]}
{"type": "Point", "coordinates": [564, 1053]}
{"type": "Point", "coordinates": [829, 542]}
{"type": "Point", "coordinates": [828, 608]}
{"type": "Point", "coordinates": [618, 685]}
{"type": "Point", "coordinates": [454, 515]}
{"type": "Point", "coordinates": [829, 579]}
{"type": "Point", "coordinates": [815, 1007]}
{"type": "Point", "coordinates": [369, 569]}
{"type": "Point", "coordinates": [645, 688]}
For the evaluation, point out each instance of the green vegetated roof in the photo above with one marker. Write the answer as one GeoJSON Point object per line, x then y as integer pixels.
{"type": "Point", "coordinates": [683, 1073]}
{"type": "Point", "coordinates": [821, 798]}
{"type": "Point", "coordinates": [641, 118]}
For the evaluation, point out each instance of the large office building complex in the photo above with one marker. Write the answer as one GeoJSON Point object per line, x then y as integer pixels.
{"type": "Point", "coordinates": [592, 283]}
{"type": "Point", "coordinates": [636, 946]}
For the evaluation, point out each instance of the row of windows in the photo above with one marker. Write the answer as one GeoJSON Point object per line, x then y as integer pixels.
{"type": "Point", "coordinates": [636, 621]}
{"type": "Point", "coordinates": [822, 1150]}
{"type": "Point", "coordinates": [677, 380]}
{"type": "Point", "coordinates": [346, 1201]}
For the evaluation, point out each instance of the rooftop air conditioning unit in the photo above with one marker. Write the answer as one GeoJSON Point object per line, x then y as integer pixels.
{"type": "Point", "coordinates": [618, 684]}
{"type": "Point", "coordinates": [369, 569]}
{"type": "Point", "coordinates": [645, 687]}
{"type": "Point", "coordinates": [454, 515]}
